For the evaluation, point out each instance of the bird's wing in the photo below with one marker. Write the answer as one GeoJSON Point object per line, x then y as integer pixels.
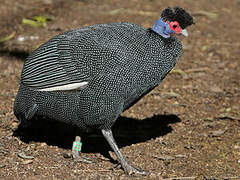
{"type": "Point", "coordinates": [50, 68]}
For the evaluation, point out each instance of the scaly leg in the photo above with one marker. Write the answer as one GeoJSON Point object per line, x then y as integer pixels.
{"type": "Point", "coordinates": [126, 167]}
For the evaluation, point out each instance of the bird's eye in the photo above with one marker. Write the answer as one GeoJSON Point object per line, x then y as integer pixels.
{"type": "Point", "coordinates": [174, 25]}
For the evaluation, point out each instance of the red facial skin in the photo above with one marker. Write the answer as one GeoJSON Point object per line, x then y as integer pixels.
{"type": "Point", "coordinates": [174, 25]}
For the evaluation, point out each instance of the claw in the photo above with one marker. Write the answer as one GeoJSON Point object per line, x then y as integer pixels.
{"type": "Point", "coordinates": [83, 159]}
{"type": "Point", "coordinates": [131, 171]}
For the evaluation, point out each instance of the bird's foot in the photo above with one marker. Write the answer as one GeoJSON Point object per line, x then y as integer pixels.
{"type": "Point", "coordinates": [82, 159]}
{"type": "Point", "coordinates": [76, 151]}
{"type": "Point", "coordinates": [132, 170]}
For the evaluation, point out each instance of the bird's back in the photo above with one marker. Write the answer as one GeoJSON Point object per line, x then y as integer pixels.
{"type": "Point", "coordinates": [76, 56]}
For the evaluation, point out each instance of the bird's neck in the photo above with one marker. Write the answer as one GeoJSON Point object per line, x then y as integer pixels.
{"type": "Point", "coordinates": [162, 28]}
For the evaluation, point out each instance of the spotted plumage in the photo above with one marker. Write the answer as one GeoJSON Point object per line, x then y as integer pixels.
{"type": "Point", "coordinates": [89, 76]}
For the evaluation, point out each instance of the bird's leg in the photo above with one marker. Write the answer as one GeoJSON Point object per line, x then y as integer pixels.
{"type": "Point", "coordinates": [126, 167]}
{"type": "Point", "coordinates": [76, 150]}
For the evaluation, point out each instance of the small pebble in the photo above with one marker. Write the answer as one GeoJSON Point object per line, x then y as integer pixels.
{"type": "Point", "coordinates": [21, 38]}
{"type": "Point", "coordinates": [236, 147]}
{"type": "Point", "coordinates": [67, 155]}
{"type": "Point", "coordinates": [2, 165]}
{"type": "Point", "coordinates": [180, 156]}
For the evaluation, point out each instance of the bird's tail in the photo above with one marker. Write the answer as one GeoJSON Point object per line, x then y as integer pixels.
{"type": "Point", "coordinates": [25, 106]}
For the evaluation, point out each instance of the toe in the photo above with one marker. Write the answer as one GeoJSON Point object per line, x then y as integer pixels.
{"type": "Point", "coordinates": [131, 171]}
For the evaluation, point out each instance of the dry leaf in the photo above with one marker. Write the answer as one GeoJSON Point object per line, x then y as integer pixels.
{"type": "Point", "coordinates": [24, 156]}
{"type": "Point", "coordinates": [178, 71]}
{"type": "Point", "coordinates": [217, 133]}
{"type": "Point", "coordinates": [170, 95]}
{"type": "Point", "coordinates": [7, 37]}
{"type": "Point", "coordinates": [27, 162]}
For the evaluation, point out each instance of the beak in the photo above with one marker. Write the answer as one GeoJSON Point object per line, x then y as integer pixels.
{"type": "Point", "coordinates": [184, 32]}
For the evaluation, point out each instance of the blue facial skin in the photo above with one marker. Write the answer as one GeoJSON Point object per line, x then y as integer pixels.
{"type": "Point", "coordinates": [162, 28]}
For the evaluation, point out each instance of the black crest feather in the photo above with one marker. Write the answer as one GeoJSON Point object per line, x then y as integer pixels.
{"type": "Point", "coordinates": [179, 14]}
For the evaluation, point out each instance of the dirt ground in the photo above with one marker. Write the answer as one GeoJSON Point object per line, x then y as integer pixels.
{"type": "Point", "coordinates": [186, 128]}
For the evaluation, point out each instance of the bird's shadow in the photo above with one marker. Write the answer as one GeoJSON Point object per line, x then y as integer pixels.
{"type": "Point", "coordinates": [126, 131]}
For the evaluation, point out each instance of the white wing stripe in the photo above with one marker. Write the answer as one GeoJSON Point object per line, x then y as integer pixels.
{"type": "Point", "coordinates": [67, 87]}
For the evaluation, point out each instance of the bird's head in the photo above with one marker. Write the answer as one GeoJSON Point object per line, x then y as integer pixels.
{"type": "Point", "coordinates": [173, 22]}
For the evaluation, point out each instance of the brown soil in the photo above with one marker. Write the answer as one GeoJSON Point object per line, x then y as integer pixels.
{"type": "Point", "coordinates": [189, 126]}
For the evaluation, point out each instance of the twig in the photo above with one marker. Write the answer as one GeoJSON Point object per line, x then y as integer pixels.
{"type": "Point", "coordinates": [211, 15]}
{"type": "Point", "coordinates": [203, 69]}
{"type": "Point", "coordinates": [133, 12]}
{"type": "Point", "coordinates": [181, 178]}
{"type": "Point", "coordinates": [7, 38]}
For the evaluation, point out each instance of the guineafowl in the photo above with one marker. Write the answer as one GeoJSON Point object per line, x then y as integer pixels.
{"type": "Point", "coordinates": [88, 76]}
